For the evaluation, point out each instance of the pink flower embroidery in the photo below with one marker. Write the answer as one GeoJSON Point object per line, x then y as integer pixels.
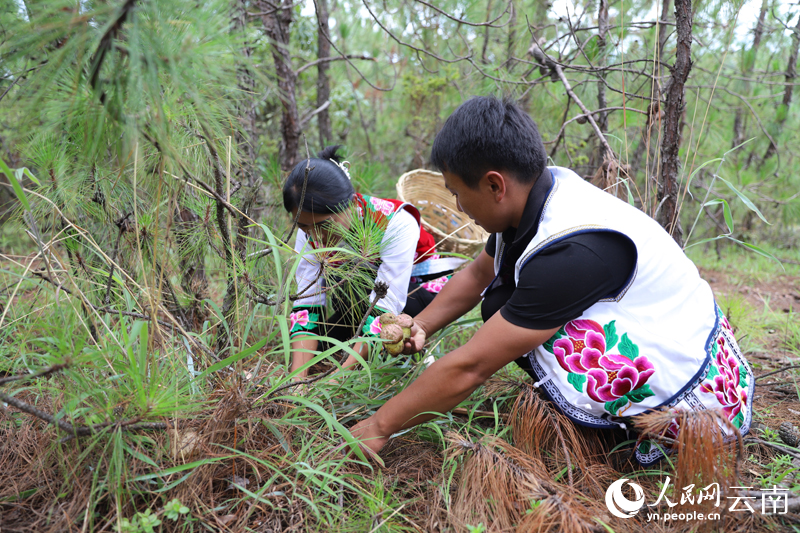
{"type": "Point", "coordinates": [299, 318]}
{"type": "Point", "coordinates": [617, 377]}
{"type": "Point", "coordinates": [375, 326]}
{"type": "Point", "coordinates": [581, 349]}
{"type": "Point", "coordinates": [384, 206]}
{"type": "Point", "coordinates": [726, 385]}
{"type": "Point", "coordinates": [609, 376]}
{"type": "Point", "coordinates": [435, 285]}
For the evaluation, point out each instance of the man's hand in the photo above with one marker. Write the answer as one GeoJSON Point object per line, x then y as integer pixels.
{"type": "Point", "coordinates": [417, 340]}
{"type": "Point", "coordinates": [370, 436]}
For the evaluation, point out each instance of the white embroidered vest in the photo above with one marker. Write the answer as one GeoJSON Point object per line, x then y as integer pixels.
{"type": "Point", "coordinates": [633, 351]}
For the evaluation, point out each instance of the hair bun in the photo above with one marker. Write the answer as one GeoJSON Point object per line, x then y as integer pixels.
{"type": "Point", "coordinates": [329, 152]}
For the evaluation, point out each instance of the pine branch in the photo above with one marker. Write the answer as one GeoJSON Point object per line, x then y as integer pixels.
{"type": "Point", "coordinates": [106, 42]}
{"type": "Point", "coordinates": [80, 431]}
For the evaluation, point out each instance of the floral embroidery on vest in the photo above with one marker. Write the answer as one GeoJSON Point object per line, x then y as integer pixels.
{"type": "Point", "coordinates": [617, 380]}
{"type": "Point", "coordinates": [384, 206]}
{"type": "Point", "coordinates": [727, 379]}
{"type": "Point", "coordinates": [435, 285]}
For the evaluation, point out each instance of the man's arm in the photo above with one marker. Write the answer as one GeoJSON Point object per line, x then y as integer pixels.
{"type": "Point", "coordinates": [458, 296]}
{"type": "Point", "coordinates": [451, 379]}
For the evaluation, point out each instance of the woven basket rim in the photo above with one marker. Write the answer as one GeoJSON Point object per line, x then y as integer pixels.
{"type": "Point", "coordinates": [425, 172]}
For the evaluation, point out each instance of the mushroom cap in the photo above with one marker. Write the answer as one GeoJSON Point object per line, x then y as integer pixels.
{"type": "Point", "coordinates": [404, 321]}
{"type": "Point", "coordinates": [392, 333]}
{"type": "Point", "coordinates": [388, 318]}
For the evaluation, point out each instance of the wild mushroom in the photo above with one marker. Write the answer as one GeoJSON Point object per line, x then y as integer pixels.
{"type": "Point", "coordinates": [405, 322]}
{"type": "Point", "coordinates": [392, 336]}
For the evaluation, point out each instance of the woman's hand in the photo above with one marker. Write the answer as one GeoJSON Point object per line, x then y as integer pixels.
{"type": "Point", "coordinates": [417, 339]}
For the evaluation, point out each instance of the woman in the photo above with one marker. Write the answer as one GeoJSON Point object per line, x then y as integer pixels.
{"type": "Point", "coordinates": [586, 293]}
{"type": "Point", "coordinates": [392, 247]}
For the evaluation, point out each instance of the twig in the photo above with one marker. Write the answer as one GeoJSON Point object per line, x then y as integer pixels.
{"type": "Point", "coordinates": [125, 425]}
{"type": "Point", "coordinates": [79, 431]}
{"type": "Point", "coordinates": [31, 410]}
{"type": "Point", "coordinates": [328, 38]}
{"type": "Point", "coordinates": [490, 23]}
{"type": "Point", "coordinates": [44, 373]}
{"type": "Point", "coordinates": [778, 447]}
{"type": "Point", "coordinates": [777, 371]}
{"type": "Point", "coordinates": [122, 225]}
{"type": "Point", "coordinates": [331, 58]}
{"type": "Point", "coordinates": [543, 58]}
{"type": "Point", "coordinates": [309, 168]}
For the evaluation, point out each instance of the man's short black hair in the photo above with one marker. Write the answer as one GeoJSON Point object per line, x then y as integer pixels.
{"type": "Point", "coordinates": [485, 134]}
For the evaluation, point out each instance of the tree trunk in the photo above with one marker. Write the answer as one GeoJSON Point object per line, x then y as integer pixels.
{"type": "Point", "coordinates": [791, 74]}
{"type": "Point", "coordinates": [758, 33]}
{"type": "Point", "coordinates": [668, 187]}
{"type": "Point", "coordinates": [323, 83]}
{"type": "Point", "coordinates": [277, 22]}
{"type": "Point", "coordinates": [512, 37]}
{"type": "Point", "coordinates": [486, 33]}
{"type": "Point", "coordinates": [245, 172]}
{"type": "Point", "coordinates": [748, 64]}
{"type": "Point", "coordinates": [245, 135]}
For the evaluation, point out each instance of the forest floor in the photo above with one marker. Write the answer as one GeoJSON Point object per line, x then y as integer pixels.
{"type": "Point", "coordinates": [760, 299]}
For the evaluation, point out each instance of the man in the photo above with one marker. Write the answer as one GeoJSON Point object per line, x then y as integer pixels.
{"type": "Point", "coordinates": [596, 301]}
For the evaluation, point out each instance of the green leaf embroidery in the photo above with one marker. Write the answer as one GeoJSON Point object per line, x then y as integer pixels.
{"type": "Point", "coordinates": [313, 318]}
{"type": "Point", "coordinates": [616, 405]}
{"type": "Point", "coordinates": [577, 380]}
{"type": "Point", "coordinates": [368, 325]}
{"type": "Point", "coordinates": [548, 345]}
{"type": "Point", "coordinates": [742, 376]}
{"type": "Point", "coordinates": [713, 372]}
{"type": "Point", "coordinates": [738, 420]}
{"type": "Point", "coordinates": [628, 348]}
{"type": "Point", "coordinates": [611, 335]}
{"type": "Point", "coordinates": [644, 447]}
{"type": "Point", "coordinates": [640, 394]}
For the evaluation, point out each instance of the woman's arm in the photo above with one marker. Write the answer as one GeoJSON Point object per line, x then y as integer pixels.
{"type": "Point", "coordinates": [451, 379]}
{"type": "Point", "coordinates": [309, 282]}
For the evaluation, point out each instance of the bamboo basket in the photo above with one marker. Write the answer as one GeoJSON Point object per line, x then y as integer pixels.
{"type": "Point", "coordinates": [440, 215]}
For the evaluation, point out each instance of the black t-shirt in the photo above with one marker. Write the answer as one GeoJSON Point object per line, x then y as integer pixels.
{"type": "Point", "coordinates": [564, 279]}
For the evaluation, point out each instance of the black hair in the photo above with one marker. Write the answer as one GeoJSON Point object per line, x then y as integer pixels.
{"type": "Point", "coordinates": [484, 134]}
{"type": "Point", "coordinates": [328, 189]}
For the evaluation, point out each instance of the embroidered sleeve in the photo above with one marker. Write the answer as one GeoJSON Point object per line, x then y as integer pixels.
{"type": "Point", "coordinates": [305, 321]}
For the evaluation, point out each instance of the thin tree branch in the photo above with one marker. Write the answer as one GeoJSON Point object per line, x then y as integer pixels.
{"type": "Point", "coordinates": [543, 58]}
{"type": "Point", "coordinates": [332, 58]}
